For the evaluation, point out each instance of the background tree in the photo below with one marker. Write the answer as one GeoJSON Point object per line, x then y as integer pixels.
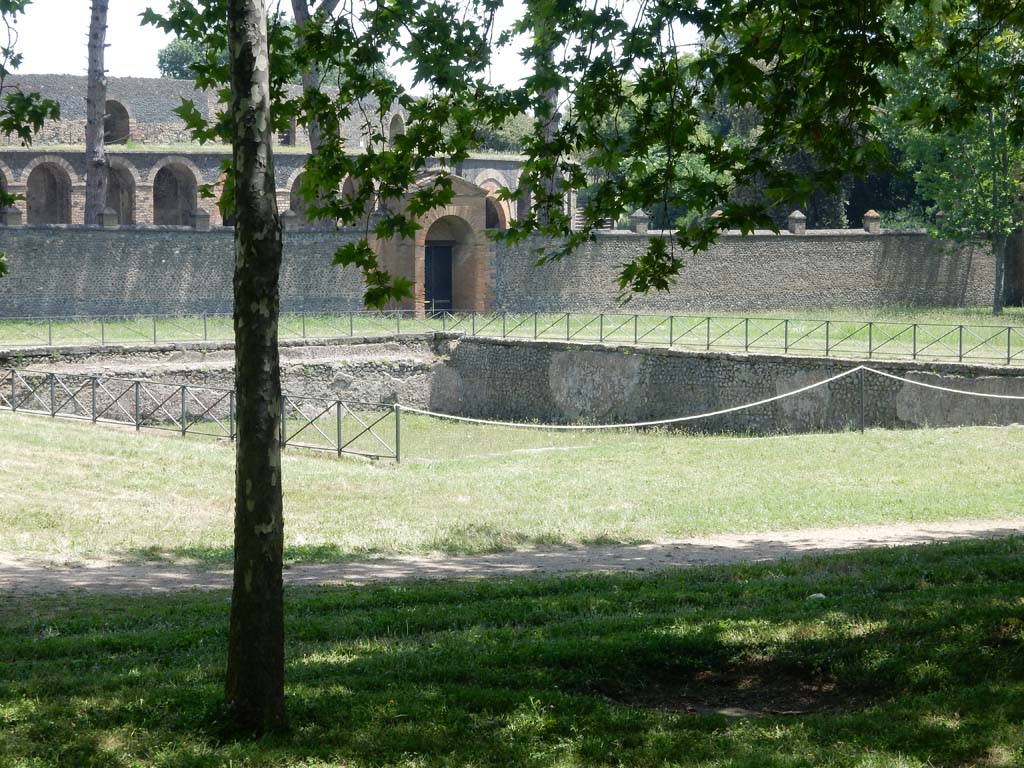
{"type": "Point", "coordinates": [96, 168]}
{"type": "Point", "coordinates": [966, 156]}
{"type": "Point", "coordinates": [21, 114]}
{"type": "Point", "coordinates": [177, 59]}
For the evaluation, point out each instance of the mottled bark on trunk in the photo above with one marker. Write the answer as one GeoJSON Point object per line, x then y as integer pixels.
{"type": "Point", "coordinates": [255, 676]}
{"type": "Point", "coordinates": [96, 102]}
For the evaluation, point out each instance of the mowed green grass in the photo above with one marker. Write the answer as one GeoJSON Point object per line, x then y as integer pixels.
{"type": "Point", "coordinates": [971, 334]}
{"type": "Point", "coordinates": [70, 490]}
{"type": "Point", "coordinates": [913, 659]}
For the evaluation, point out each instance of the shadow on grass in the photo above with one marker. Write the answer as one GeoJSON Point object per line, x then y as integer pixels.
{"type": "Point", "coordinates": [914, 657]}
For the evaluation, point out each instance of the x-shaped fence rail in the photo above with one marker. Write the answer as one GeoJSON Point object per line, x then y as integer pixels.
{"type": "Point", "coordinates": [366, 429]}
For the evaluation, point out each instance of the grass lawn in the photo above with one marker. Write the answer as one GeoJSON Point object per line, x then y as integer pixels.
{"type": "Point", "coordinates": [914, 659]}
{"type": "Point", "coordinates": [971, 334]}
{"type": "Point", "coordinates": [70, 490]}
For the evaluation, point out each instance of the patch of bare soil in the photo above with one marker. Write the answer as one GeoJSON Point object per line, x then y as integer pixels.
{"type": "Point", "coordinates": [764, 689]}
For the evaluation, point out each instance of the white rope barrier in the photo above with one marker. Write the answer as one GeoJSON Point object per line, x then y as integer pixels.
{"type": "Point", "coordinates": [635, 424]}
{"type": "Point", "coordinates": [926, 385]}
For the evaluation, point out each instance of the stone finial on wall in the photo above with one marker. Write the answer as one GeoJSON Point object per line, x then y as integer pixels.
{"type": "Point", "coordinates": [200, 220]}
{"type": "Point", "coordinates": [872, 222]}
{"type": "Point", "coordinates": [797, 223]}
{"type": "Point", "coordinates": [108, 219]}
{"type": "Point", "coordinates": [10, 217]}
{"type": "Point", "coordinates": [639, 220]}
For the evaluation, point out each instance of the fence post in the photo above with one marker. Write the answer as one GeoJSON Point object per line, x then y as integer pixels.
{"type": "Point", "coordinates": [206, 336]}
{"type": "Point", "coordinates": [14, 382]}
{"type": "Point", "coordinates": [707, 346]}
{"type": "Point", "coordinates": [337, 411]}
{"type": "Point", "coordinates": [913, 342]}
{"type": "Point", "coordinates": [566, 326]}
{"type": "Point", "coordinates": [154, 329]}
{"type": "Point", "coordinates": [138, 387]}
{"type": "Point", "coordinates": [504, 326]}
{"type": "Point", "coordinates": [1009, 357]}
{"type": "Point", "coordinates": [231, 416]}
{"type": "Point", "coordinates": [636, 329]}
{"type": "Point", "coordinates": [351, 324]}
{"type": "Point", "coordinates": [828, 328]}
{"type": "Point", "coordinates": [746, 334]}
{"type": "Point", "coordinates": [785, 337]}
{"type": "Point", "coordinates": [671, 331]}
{"type": "Point", "coordinates": [398, 433]}
{"type": "Point", "coordinates": [284, 424]}
{"type": "Point", "coordinates": [184, 409]}
{"type": "Point", "coordinates": [53, 395]}
{"type": "Point", "coordinates": [862, 400]}
{"type": "Point", "coordinates": [94, 385]}
{"type": "Point", "coordinates": [960, 346]}
{"type": "Point", "coordinates": [472, 328]}
{"type": "Point", "coordinates": [398, 323]}
{"type": "Point", "coordinates": [103, 333]}
{"type": "Point", "coordinates": [871, 338]}
{"type": "Point", "coordinates": [534, 326]}
{"type": "Point", "coordinates": [49, 331]}
{"type": "Point", "coordinates": [600, 327]}
{"type": "Point", "coordinates": [303, 324]}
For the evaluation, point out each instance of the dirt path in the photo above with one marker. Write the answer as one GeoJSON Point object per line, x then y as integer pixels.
{"type": "Point", "coordinates": [26, 576]}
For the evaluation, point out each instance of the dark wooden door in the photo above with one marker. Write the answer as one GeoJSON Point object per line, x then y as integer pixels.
{"type": "Point", "coordinates": [438, 279]}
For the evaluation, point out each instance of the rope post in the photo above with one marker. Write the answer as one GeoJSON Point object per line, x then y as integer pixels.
{"type": "Point", "coordinates": [861, 378]}
{"type": "Point", "coordinates": [398, 433]}
{"type": "Point", "coordinates": [337, 412]}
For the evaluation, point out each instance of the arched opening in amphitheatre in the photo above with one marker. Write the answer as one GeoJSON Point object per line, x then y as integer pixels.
{"type": "Point", "coordinates": [121, 194]}
{"type": "Point", "coordinates": [116, 123]}
{"type": "Point", "coordinates": [174, 195]}
{"type": "Point", "coordinates": [48, 194]}
{"type": "Point", "coordinates": [396, 129]}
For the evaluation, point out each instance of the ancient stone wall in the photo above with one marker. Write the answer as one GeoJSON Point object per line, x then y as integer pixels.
{"type": "Point", "coordinates": [57, 270]}
{"type": "Point", "coordinates": [556, 382]}
{"type": "Point", "coordinates": [821, 269]}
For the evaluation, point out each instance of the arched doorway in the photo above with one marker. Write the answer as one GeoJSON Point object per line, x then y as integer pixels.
{"type": "Point", "coordinates": [449, 266]}
{"type": "Point", "coordinates": [396, 129]}
{"type": "Point", "coordinates": [121, 194]}
{"type": "Point", "coordinates": [174, 195]}
{"type": "Point", "coordinates": [48, 194]}
{"type": "Point", "coordinates": [116, 123]}
{"type": "Point", "coordinates": [495, 214]}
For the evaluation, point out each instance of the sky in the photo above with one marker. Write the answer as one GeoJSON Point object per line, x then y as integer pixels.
{"type": "Point", "coordinates": [52, 36]}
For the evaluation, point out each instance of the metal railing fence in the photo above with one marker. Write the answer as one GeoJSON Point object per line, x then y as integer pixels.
{"type": "Point", "coordinates": [371, 430]}
{"type": "Point", "coordinates": [860, 339]}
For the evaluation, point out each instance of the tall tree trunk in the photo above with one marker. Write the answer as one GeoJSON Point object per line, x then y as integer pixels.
{"type": "Point", "coordinates": [255, 676]}
{"type": "Point", "coordinates": [311, 79]}
{"type": "Point", "coordinates": [96, 102]}
{"type": "Point", "coordinates": [999, 248]}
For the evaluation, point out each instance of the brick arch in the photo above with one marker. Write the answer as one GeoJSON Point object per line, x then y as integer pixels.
{"type": "Point", "coordinates": [57, 160]}
{"type": "Point", "coordinates": [493, 177]}
{"type": "Point", "coordinates": [117, 128]}
{"type": "Point", "coordinates": [7, 177]}
{"type": "Point", "coordinates": [123, 164]}
{"type": "Point", "coordinates": [163, 162]}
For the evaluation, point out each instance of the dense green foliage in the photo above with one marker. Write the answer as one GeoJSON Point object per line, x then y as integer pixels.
{"type": "Point", "coordinates": [914, 659]}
